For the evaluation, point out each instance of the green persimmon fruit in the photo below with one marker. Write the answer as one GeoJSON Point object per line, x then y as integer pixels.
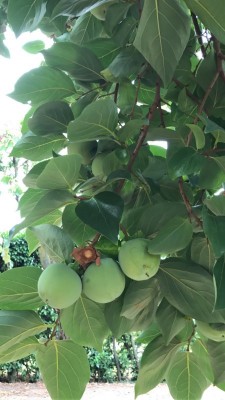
{"type": "Point", "coordinates": [213, 331]}
{"type": "Point", "coordinates": [59, 286]}
{"type": "Point", "coordinates": [135, 260]}
{"type": "Point", "coordinates": [98, 165]}
{"type": "Point", "coordinates": [105, 282]}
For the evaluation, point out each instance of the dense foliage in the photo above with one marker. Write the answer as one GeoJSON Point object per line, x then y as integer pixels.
{"type": "Point", "coordinates": [119, 77]}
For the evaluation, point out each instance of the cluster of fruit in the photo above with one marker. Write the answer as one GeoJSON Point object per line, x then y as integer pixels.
{"type": "Point", "coordinates": [60, 286]}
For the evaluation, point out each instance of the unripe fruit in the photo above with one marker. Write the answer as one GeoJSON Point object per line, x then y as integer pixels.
{"type": "Point", "coordinates": [103, 283]}
{"type": "Point", "coordinates": [59, 286]}
{"type": "Point", "coordinates": [97, 165]}
{"type": "Point", "coordinates": [135, 260]}
{"type": "Point", "coordinates": [214, 332]}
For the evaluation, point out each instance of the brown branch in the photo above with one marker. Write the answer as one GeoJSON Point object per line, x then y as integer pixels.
{"type": "Point", "coordinates": [116, 92]}
{"type": "Point", "coordinates": [142, 135]}
{"type": "Point", "coordinates": [199, 34]}
{"type": "Point", "coordinates": [219, 58]}
{"type": "Point", "coordinates": [136, 97]}
{"type": "Point", "coordinates": [188, 93]}
{"type": "Point", "coordinates": [202, 104]}
{"type": "Point", "coordinates": [186, 201]}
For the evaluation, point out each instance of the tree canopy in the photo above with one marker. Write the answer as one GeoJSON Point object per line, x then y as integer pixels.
{"type": "Point", "coordinates": [126, 132]}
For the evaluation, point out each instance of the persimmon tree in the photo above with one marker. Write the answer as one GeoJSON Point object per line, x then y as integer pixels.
{"type": "Point", "coordinates": [121, 76]}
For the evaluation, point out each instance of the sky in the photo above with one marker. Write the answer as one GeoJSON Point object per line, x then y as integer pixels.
{"type": "Point", "coordinates": [12, 112]}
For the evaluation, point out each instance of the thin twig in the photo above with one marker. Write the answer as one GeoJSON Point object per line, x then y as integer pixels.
{"type": "Point", "coordinates": [219, 58]}
{"type": "Point", "coordinates": [186, 201]}
{"type": "Point", "coordinates": [199, 34]}
{"type": "Point", "coordinates": [116, 92]}
{"type": "Point", "coordinates": [142, 135]}
{"type": "Point", "coordinates": [202, 104]}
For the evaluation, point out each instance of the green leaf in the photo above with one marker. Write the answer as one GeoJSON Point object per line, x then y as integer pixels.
{"type": "Point", "coordinates": [105, 49]}
{"type": "Point", "coordinates": [219, 279]}
{"type": "Point", "coordinates": [139, 296]}
{"type": "Point", "coordinates": [51, 118]}
{"type": "Point", "coordinates": [211, 175]}
{"type": "Point", "coordinates": [15, 326]}
{"type": "Point", "coordinates": [200, 351]}
{"type": "Point", "coordinates": [56, 358]}
{"type": "Point", "coordinates": [211, 16]}
{"type": "Point", "coordinates": [189, 288]}
{"type": "Point", "coordinates": [158, 41]}
{"type": "Point", "coordinates": [30, 180]}
{"type": "Point", "coordinates": [57, 243]}
{"type": "Point", "coordinates": [97, 121]}
{"type": "Point", "coordinates": [216, 352]}
{"type": "Point", "coordinates": [186, 378]}
{"type": "Point", "coordinates": [169, 320]}
{"type": "Point", "coordinates": [75, 7]}
{"type": "Point", "coordinates": [216, 204]}
{"type": "Point", "coordinates": [149, 334]}
{"type": "Point", "coordinates": [80, 62]}
{"type": "Point", "coordinates": [124, 65]}
{"type": "Point", "coordinates": [60, 173]}
{"type": "Point", "coordinates": [184, 161]}
{"type": "Point", "coordinates": [117, 324]}
{"type": "Point", "coordinates": [42, 84]}
{"type": "Point", "coordinates": [34, 47]}
{"type": "Point", "coordinates": [202, 253]}
{"type": "Point", "coordinates": [214, 230]}
{"type": "Point", "coordinates": [36, 148]}
{"type": "Point", "coordinates": [84, 322]}
{"type": "Point", "coordinates": [155, 362]}
{"type": "Point", "coordinates": [80, 232]}
{"type": "Point", "coordinates": [86, 29]}
{"type": "Point", "coordinates": [20, 350]}
{"type": "Point", "coordinates": [50, 201]}
{"type": "Point", "coordinates": [18, 289]}
{"type": "Point", "coordinates": [198, 134]}
{"type": "Point", "coordinates": [26, 15]}
{"type": "Point", "coordinates": [102, 213]}
{"type": "Point", "coordinates": [174, 236]}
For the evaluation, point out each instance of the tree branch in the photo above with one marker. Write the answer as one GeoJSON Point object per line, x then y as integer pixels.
{"type": "Point", "coordinates": [199, 34]}
{"type": "Point", "coordinates": [186, 201]}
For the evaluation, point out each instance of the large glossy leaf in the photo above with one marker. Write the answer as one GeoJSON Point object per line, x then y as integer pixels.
{"type": "Point", "coordinates": [50, 201]}
{"type": "Point", "coordinates": [210, 16]}
{"type": "Point", "coordinates": [18, 289]}
{"type": "Point", "coordinates": [117, 324]}
{"type": "Point", "coordinates": [216, 352]}
{"type": "Point", "coordinates": [157, 38]}
{"type": "Point", "coordinates": [216, 204]}
{"type": "Point", "coordinates": [15, 326]}
{"type": "Point", "coordinates": [57, 243]}
{"type": "Point", "coordinates": [102, 213]}
{"type": "Point", "coordinates": [202, 252]}
{"type": "Point", "coordinates": [43, 84]}
{"type": "Point", "coordinates": [36, 148]}
{"type": "Point", "coordinates": [155, 362]}
{"type": "Point", "coordinates": [140, 295]}
{"type": "Point", "coordinates": [174, 236]}
{"type": "Point", "coordinates": [26, 15]}
{"type": "Point", "coordinates": [169, 320]}
{"type": "Point", "coordinates": [189, 288]}
{"type": "Point", "coordinates": [84, 322]}
{"type": "Point", "coordinates": [214, 230]}
{"type": "Point", "coordinates": [60, 173]}
{"type": "Point", "coordinates": [86, 29]}
{"type": "Point", "coordinates": [80, 62]}
{"type": "Point", "coordinates": [105, 49]}
{"type": "Point", "coordinates": [186, 378]}
{"type": "Point", "coordinates": [184, 161]}
{"type": "Point", "coordinates": [20, 350]}
{"type": "Point", "coordinates": [56, 358]}
{"type": "Point", "coordinates": [80, 232]}
{"type": "Point", "coordinates": [219, 280]}
{"type": "Point", "coordinates": [51, 118]}
{"type": "Point", "coordinates": [97, 121]}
